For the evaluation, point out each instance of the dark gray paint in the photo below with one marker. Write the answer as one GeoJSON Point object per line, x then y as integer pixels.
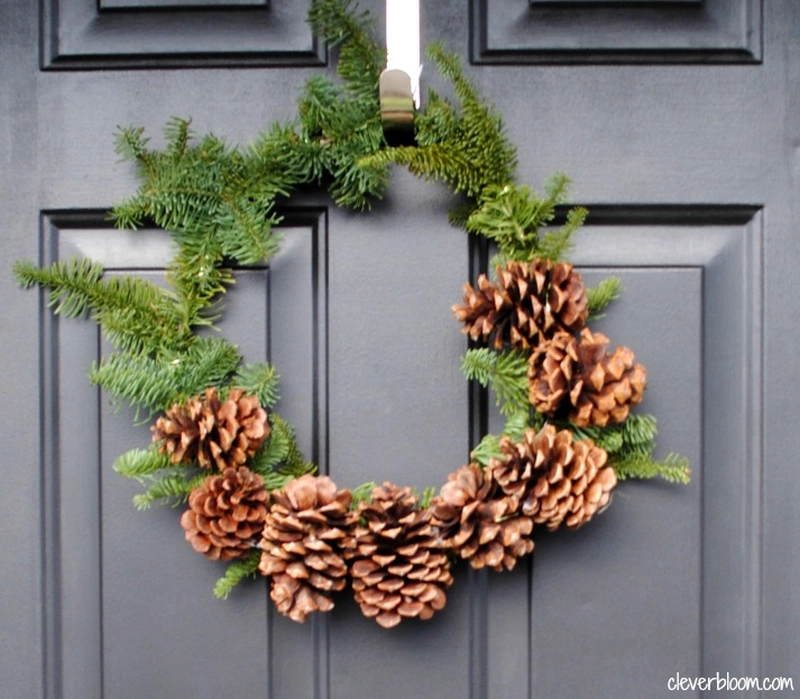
{"type": "Point", "coordinates": [690, 173]}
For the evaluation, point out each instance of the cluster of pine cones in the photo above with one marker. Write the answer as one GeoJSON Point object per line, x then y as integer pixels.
{"type": "Point", "coordinates": [396, 553]}
{"type": "Point", "coordinates": [541, 308]}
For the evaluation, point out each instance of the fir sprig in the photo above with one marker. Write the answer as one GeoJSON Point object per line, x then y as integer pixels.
{"type": "Point", "coordinates": [151, 384]}
{"type": "Point", "coordinates": [506, 372]}
{"type": "Point", "coordinates": [514, 216]}
{"type": "Point", "coordinates": [280, 459]}
{"type": "Point", "coordinates": [170, 487]}
{"type": "Point", "coordinates": [136, 315]}
{"type": "Point", "coordinates": [600, 296]}
{"type": "Point", "coordinates": [261, 380]}
{"type": "Point", "coordinates": [140, 463]}
{"type": "Point", "coordinates": [236, 572]}
{"type": "Point", "coordinates": [467, 149]}
{"type": "Point", "coordinates": [631, 445]}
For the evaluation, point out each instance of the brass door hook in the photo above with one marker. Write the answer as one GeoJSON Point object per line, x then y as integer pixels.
{"type": "Point", "coordinates": [397, 107]}
{"type": "Point", "coordinates": [399, 83]}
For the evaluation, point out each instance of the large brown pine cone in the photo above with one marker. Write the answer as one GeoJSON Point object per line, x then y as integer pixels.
{"type": "Point", "coordinates": [530, 302]}
{"type": "Point", "coordinates": [306, 528]}
{"type": "Point", "coordinates": [565, 481]}
{"type": "Point", "coordinates": [226, 514]}
{"type": "Point", "coordinates": [583, 382]}
{"type": "Point", "coordinates": [480, 522]}
{"type": "Point", "coordinates": [398, 567]}
{"type": "Point", "coordinates": [214, 432]}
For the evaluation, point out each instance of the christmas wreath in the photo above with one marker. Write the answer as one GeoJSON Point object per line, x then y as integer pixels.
{"type": "Point", "coordinates": [218, 444]}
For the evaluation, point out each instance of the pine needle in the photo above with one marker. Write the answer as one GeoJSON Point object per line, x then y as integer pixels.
{"type": "Point", "coordinates": [236, 572]}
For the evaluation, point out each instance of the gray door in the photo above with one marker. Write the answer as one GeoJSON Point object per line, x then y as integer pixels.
{"type": "Point", "coordinates": [679, 123]}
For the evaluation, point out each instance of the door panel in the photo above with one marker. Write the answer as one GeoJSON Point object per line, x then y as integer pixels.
{"type": "Point", "coordinates": [676, 121]}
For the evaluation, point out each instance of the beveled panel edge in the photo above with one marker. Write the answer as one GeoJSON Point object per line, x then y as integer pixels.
{"type": "Point", "coordinates": [712, 243]}
{"type": "Point", "coordinates": [180, 5]}
{"type": "Point", "coordinates": [54, 223]}
{"type": "Point", "coordinates": [53, 58]}
{"type": "Point", "coordinates": [728, 246]}
{"type": "Point", "coordinates": [632, 3]}
{"type": "Point", "coordinates": [480, 53]}
{"type": "Point", "coordinates": [49, 485]}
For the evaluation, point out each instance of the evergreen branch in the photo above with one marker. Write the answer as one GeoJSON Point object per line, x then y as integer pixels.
{"type": "Point", "coordinates": [277, 447]}
{"type": "Point", "coordinates": [599, 297]}
{"type": "Point", "coordinates": [445, 162]}
{"type": "Point", "coordinates": [673, 469]}
{"type": "Point", "coordinates": [506, 373]}
{"type": "Point", "coordinates": [481, 128]}
{"type": "Point", "coordinates": [511, 216]}
{"type": "Point", "coordinates": [486, 450]}
{"type": "Point", "coordinates": [278, 480]}
{"type": "Point", "coordinates": [362, 493]}
{"type": "Point", "coordinates": [556, 245]}
{"type": "Point", "coordinates": [361, 59]}
{"type": "Point", "coordinates": [437, 123]}
{"type": "Point", "coordinates": [426, 498]}
{"type": "Point", "coordinates": [131, 144]}
{"type": "Point", "coordinates": [178, 134]}
{"type": "Point", "coordinates": [170, 488]}
{"type": "Point", "coordinates": [260, 380]}
{"type": "Point", "coordinates": [139, 463]}
{"type": "Point", "coordinates": [630, 446]}
{"type": "Point", "coordinates": [280, 450]}
{"type": "Point", "coordinates": [236, 572]}
{"type": "Point", "coordinates": [136, 315]}
{"type": "Point", "coordinates": [154, 384]}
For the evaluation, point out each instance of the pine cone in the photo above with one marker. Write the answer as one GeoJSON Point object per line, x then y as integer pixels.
{"type": "Point", "coordinates": [530, 302]}
{"type": "Point", "coordinates": [550, 372]}
{"type": "Point", "coordinates": [398, 567]}
{"type": "Point", "coordinates": [305, 529]}
{"type": "Point", "coordinates": [558, 479]}
{"type": "Point", "coordinates": [226, 513]}
{"type": "Point", "coordinates": [213, 432]}
{"type": "Point", "coordinates": [594, 387]}
{"type": "Point", "coordinates": [480, 522]}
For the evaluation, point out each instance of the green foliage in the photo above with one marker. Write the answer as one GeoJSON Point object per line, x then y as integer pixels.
{"type": "Point", "coordinates": [513, 216]}
{"type": "Point", "coordinates": [467, 149]}
{"type": "Point", "coordinates": [236, 572]}
{"type": "Point", "coordinates": [427, 496]}
{"type": "Point", "coordinates": [135, 314]}
{"type": "Point", "coordinates": [280, 460]}
{"type": "Point", "coordinates": [261, 380]}
{"type": "Point", "coordinates": [506, 372]}
{"type": "Point", "coordinates": [153, 384]}
{"type": "Point", "coordinates": [489, 447]}
{"type": "Point", "coordinates": [169, 487]}
{"type": "Point", "coordinates": [141, 463]}
{"type": "Point", "coordinates": [673, 469]}
{"type": "Point", "coordinates": [202, 195]}
{"type": "Point", "coordinates": [602, 295]}
{"type": "Point", "coordinates": [362, 492]}
{"type": "Point", "coordinates": [361, 58]}
{"type": "Point", "coordinates": [630, 446]}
